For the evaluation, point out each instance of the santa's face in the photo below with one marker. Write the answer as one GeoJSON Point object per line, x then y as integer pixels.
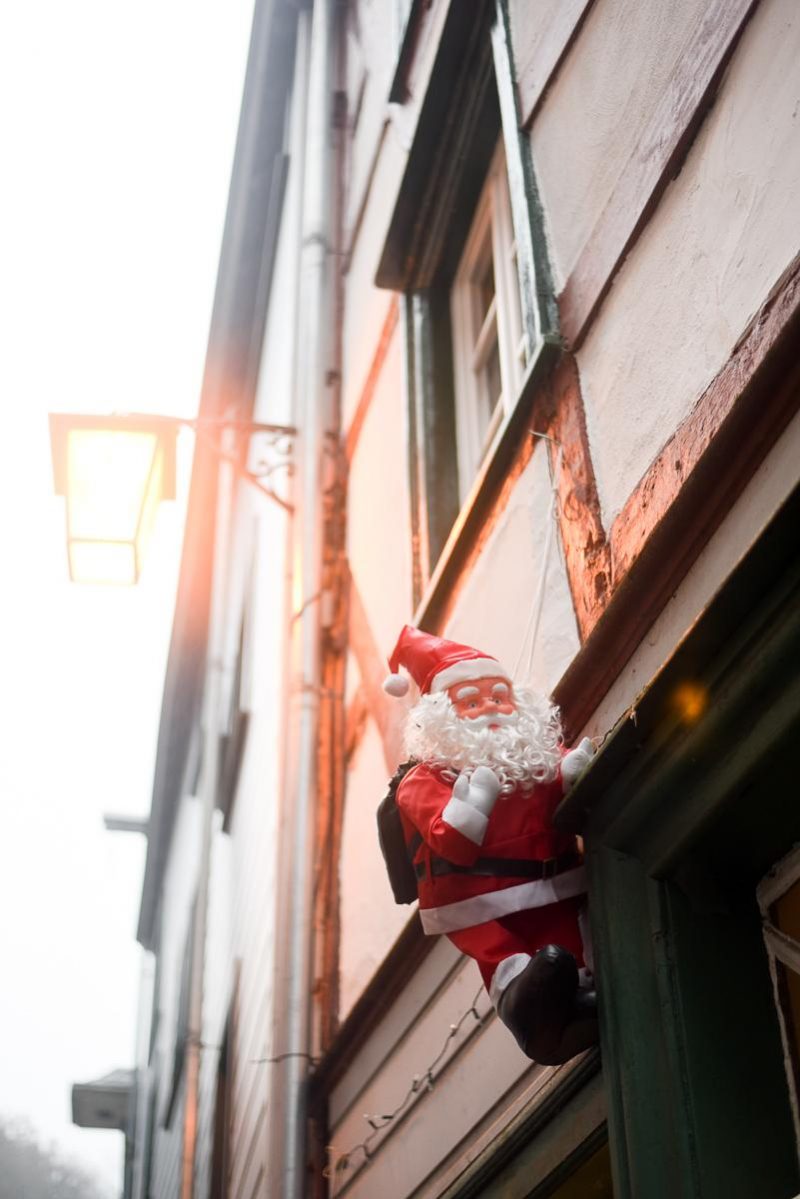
{"type": "Point", "coordinates": [484, 722]}
{"type": "Point", "coordinates": [486, 702]}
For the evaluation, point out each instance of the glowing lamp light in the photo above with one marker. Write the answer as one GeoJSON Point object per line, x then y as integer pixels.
{"type": "Point", "coordinates": [114, 471]}
{"type": "Point", "coordinates": [690, 701]}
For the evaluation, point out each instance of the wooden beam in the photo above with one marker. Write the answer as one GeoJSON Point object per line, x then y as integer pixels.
{"type": "Point", "coordinates": [586, 550]}
{"type": "Point", "coordinates": [690, 489]}
{"type": "Point", "coordinates": [371, 381]}
{"type": "Point", "coordinates": [656, 159]}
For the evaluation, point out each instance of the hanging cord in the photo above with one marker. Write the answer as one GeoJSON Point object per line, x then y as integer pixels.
{"type": "Point", "coordinates": [535, 618]}
{"type": "Point", "coordinates": [424, 1081]}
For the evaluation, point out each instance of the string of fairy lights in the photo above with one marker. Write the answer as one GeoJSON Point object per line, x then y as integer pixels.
{"type": "Point", "coordinates": [424, 1081]}
{"type": "Point", "coordinates": [379, 1122]}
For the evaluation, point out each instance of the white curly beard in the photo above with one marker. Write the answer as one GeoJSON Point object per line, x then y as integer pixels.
{"type": "Point", "coordinates": [523, 751]}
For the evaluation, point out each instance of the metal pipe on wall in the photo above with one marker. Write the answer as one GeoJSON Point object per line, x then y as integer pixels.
{"type": "Point", "coordinates": [217, 665]}
{"type": "Point", "coordinates": [292, 1002]}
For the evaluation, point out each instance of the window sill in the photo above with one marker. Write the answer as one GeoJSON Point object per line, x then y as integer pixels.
{"type": "Point", "coordinates": [483, 491]}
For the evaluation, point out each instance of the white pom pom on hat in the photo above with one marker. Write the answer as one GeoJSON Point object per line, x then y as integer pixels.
{"type": "Point", "coordinates": [396, 685]}
{"type": "Point", "coordinates": [435, 664]}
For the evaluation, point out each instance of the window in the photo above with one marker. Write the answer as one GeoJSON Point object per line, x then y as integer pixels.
{"type": "Point", "coordinates": [489, 349]}
{"type": "Point", "coordinates": [465, 248]}
{"type": "Point", "coordinates": [779, 900]}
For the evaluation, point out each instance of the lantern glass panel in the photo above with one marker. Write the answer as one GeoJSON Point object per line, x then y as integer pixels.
{"type": "Point", "coordinates": [102, 562]}
{"type": "Point", "coordinates": [109, 473]}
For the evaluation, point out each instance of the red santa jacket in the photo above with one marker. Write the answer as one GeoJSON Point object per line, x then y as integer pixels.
{"type": "Point", "coordinates": [470, 869]}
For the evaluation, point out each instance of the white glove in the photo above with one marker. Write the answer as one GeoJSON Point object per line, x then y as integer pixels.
{"type": "Point", "coordinates": [575, 762]}
{"type": "Point", "coordinates": [480, 790]}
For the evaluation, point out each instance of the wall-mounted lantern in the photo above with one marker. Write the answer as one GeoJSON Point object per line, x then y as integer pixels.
{"type": "Point", "coordinates": [114, 471]}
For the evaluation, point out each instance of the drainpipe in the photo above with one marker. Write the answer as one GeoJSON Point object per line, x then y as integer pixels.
{"type": "Point", "coordinates": [294, 957]}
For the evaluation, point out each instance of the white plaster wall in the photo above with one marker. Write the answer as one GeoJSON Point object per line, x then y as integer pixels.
{"type": "Point", "coordinates": [379, 533]}
{"type": "Point", "coordinates": [366, 306]}
{"type": "Point", "coordinates": [769, 487]}
{"type": "Point", "coordinates": [596, 108]}
{"type": "Point", "coordinates": [497, 603]}
{"type": "Point", "coordinates": [721, 236]}
{"type": "Point", "coordinates": [370, 919]}
{"type": "Point", "coordinates": [352, 678]}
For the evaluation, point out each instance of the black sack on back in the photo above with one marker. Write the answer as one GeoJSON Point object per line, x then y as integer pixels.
{"type": "Point", "coordinates": [396, 854]}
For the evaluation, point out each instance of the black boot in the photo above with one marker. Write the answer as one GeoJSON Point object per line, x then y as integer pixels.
{"type": "Point", "coordinates": [550, 1018]}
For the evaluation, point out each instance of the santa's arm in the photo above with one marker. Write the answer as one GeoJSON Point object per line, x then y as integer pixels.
{"type": "Point", "coordinates": [575, 762]}
{"type": "Point", "coordinates": [451, 820]}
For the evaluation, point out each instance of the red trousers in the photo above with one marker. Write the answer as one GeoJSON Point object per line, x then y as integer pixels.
{"type": "Point", "coordinates": [523, 932]}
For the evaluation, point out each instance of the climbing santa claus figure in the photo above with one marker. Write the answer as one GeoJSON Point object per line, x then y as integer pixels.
{"type": "Point", "coordinates": [487, 771]}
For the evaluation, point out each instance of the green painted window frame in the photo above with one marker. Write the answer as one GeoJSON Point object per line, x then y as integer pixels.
{"type": "Point", "coordinates": [471, 105]}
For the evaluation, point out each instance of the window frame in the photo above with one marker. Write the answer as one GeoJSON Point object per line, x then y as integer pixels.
{"type": "Point", "coordinates": [783, 950]}
{"type": "Point", "coordinates": [468, 106]}
{"type": "Point", "coordinates": [474, 335]}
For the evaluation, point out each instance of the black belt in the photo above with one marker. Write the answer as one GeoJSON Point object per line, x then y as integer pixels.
{"type": "Point", "coordinates": [503, 867]}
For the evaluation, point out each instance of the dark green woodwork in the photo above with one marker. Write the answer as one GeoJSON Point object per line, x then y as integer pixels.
{"type": "Point", "coordinates": [432, 455]}
{"type": "Point", "coordinates": [537, 292]}
{"type": "Point", "coordinates": [456, 133]}
{"type": "Point", "coordinates": [681, 816]}
{"type": "Point", "coordinates": [697, 1098]}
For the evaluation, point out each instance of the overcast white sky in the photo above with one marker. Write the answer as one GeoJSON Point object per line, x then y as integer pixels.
{"type": "Point", "coordinates": [117, 127]}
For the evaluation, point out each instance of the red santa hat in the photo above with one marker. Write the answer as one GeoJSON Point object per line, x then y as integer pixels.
{"type": "Point", "coordinates": [436, 664]}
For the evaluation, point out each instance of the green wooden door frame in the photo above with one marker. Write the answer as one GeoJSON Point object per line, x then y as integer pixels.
{"type": "Point", "coordinates": [682, 813]}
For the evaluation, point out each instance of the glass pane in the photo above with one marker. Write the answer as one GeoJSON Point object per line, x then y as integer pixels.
{"type": "Point", "coordinates": [108, 471]}
{"type": "Point", "coordinates": [492, 388]}
{"type": "Point", "coordinates": [786, 917]}
{"type": "Point", "coordinates": [102, 562]}
{"type": "Point", "coordinates": [484, 287]}
{"type": "Point", "coordinates": [591, 1181]}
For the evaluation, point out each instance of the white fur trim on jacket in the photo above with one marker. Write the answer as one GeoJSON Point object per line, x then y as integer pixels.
{"type": "Point", "coordinates": [466, 819]}
{"type": "Point", "coordinates": [538, 893]}
{"type": "Point", "coordinates": [467, 670]}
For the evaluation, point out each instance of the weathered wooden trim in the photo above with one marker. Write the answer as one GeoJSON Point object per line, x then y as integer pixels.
{"type": "Point", "coordinates": [537, 69]}
{"type": "Point", "coordinates": [371, 381]}
{"type": "Point", "coordinates": [387, 712]}
{"type": "Point", "coordinates": [536, 288]}
{"type": "Point", "coordinates": [329, 827]}
{"type": "Point", "coordinates": [691, 488]}
{"type": "Point", "coordinates": [415, 452]}
{"type": "Point", "coordinates": [662, 146]}
{"type": "Point", "coordinates": [355, 722]}
{"type": "Point", "coordinates": [565, 1108]}
{"type": "Point", "coordinates": [583, 538]}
